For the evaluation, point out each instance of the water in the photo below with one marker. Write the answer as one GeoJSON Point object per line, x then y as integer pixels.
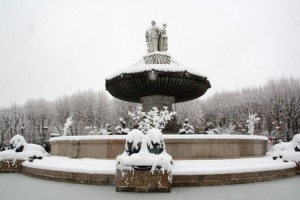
{"type": "Point", "coordinates": [19, 186]}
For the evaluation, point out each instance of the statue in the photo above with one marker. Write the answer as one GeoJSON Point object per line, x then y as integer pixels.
{"type": "Point", "coordinates": [187, 128]}
{"type": "Point", "coordinates": [122, 130]}
{"type": "Point", "coordinates": [152, 37]}
{"type": "Point", "coordinates": [163, 39]}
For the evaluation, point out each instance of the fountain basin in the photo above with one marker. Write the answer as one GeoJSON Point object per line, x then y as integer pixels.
{"type": "Point", "coordinates": [180, 147]}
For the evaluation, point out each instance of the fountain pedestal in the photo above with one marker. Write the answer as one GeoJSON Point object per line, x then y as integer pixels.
{"type": "Point", "coordinates": [160, 101]}
{"type": "Point", "coordinates": [142, 181]}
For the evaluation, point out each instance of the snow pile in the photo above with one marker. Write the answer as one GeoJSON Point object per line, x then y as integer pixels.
{"type": "Point", "coordinates": [152, 119]}
{"type": "Point", "coordinates": [144, 150]}
{"type": "Point", "coordinates": [288, 151]}
{"type": "Point", "coordinates": [22, 150]}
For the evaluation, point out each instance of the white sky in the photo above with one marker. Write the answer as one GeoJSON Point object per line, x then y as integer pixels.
{"type": "Point", "coordinates": [51, 48]}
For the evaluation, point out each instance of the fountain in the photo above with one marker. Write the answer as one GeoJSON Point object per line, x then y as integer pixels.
{"type": "Point", "coordinates": [157, 79]}
{"type": "Point", "coordinates": [154, 162]}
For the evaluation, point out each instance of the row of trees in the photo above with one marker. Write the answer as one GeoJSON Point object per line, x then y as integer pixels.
{"type": "Point", "coordinates": [36, 119]}
{"type": "Point", "coordinates": [277, 104]}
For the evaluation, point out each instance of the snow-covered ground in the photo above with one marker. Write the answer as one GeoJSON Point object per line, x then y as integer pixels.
{"type": "Point", "coordinates": [180, 167]}
{"type": "Point", "coordinates": [19, 186]}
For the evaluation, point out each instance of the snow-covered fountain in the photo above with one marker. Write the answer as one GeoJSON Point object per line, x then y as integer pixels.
{"type": "Point", "coordinates": [157, 80]}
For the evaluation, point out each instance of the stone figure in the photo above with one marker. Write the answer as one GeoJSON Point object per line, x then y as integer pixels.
{"type": "Point", "coordinates": [163, 39]}
{"type": "Point", "coordinates": [187, 128]}
{"type": "Point", "coordinates": [122, 130]}
{"type": "Point", "coordinates": [152, 37]}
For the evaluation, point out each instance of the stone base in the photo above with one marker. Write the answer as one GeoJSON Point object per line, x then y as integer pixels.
{"type": "Point", "coordinates": [228, 179]}
{"type": "Point", "coordinates": [142, 181]}
{"type": "Point", "coordinates": [11, 166]}
{"type": "Point", "coordinates": [72, 177]}
{"type": "Point", "coordinates": [297, 168]}
{"type": "Point", "coordinates": [157, 58]}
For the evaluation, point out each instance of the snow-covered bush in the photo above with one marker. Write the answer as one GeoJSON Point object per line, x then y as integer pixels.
{"type": "Point", "coordinates": [152, 119]}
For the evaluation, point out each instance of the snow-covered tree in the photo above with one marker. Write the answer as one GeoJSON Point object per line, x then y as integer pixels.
{"type": "Point", "coordinates": [40, 114]}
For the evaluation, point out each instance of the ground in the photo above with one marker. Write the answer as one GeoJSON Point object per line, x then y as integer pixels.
{"type": "Point", "coordinates": [19, 186]}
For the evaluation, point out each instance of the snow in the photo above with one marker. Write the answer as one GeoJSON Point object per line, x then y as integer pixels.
{"type": "Point", "coordinates": [228, 166]}
{"type": "Point", "coordinates": [291, 156]}
{"type": "Point", "coordinates": [169, 136]}
{"type": "Point", "coordinates": [105, 132]}
{"type": "Point", "coordinates": [135, 137]}
{"type": "Point", "coordinates": [153, 119]}
{"type": "Point", "coordinates": [88, 137]}
{"type": "Point", "coordinates": [12, 155]}
{"type": "Point", "coordinates": [34, 188]}
{"type": "Point", "coordinates": [144, 157]}
{"type": "Point", "coordinates": [121, 131]}
{"type": "Point", "coordinates": [180, 167]}
{"type": "Point", "coordinates": [221, 137]}
{"type": "Point", "coordinates": [287, 150]}
{"type": "Point", "coordinates": [29, 150]}
{"type": "Point", "coordinates": [154, 136]}
{"type": "Point", "coordinates": [155, 67]}
{"type": "Point", "coordinates": [84, 165]}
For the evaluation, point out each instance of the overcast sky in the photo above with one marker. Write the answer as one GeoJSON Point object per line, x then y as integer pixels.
{"type": "Point", "coordinates": [55, 47]}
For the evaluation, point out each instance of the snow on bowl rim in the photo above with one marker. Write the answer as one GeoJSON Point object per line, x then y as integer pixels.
{"type": "Point", "coordinates": [156, 67]}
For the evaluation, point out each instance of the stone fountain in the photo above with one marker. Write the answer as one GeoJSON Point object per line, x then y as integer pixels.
{"type": "Point", "coordinates": [157, 79]}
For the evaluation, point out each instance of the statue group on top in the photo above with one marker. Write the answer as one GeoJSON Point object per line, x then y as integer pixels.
{"type": "Point", "coordinates": [157, 38]}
